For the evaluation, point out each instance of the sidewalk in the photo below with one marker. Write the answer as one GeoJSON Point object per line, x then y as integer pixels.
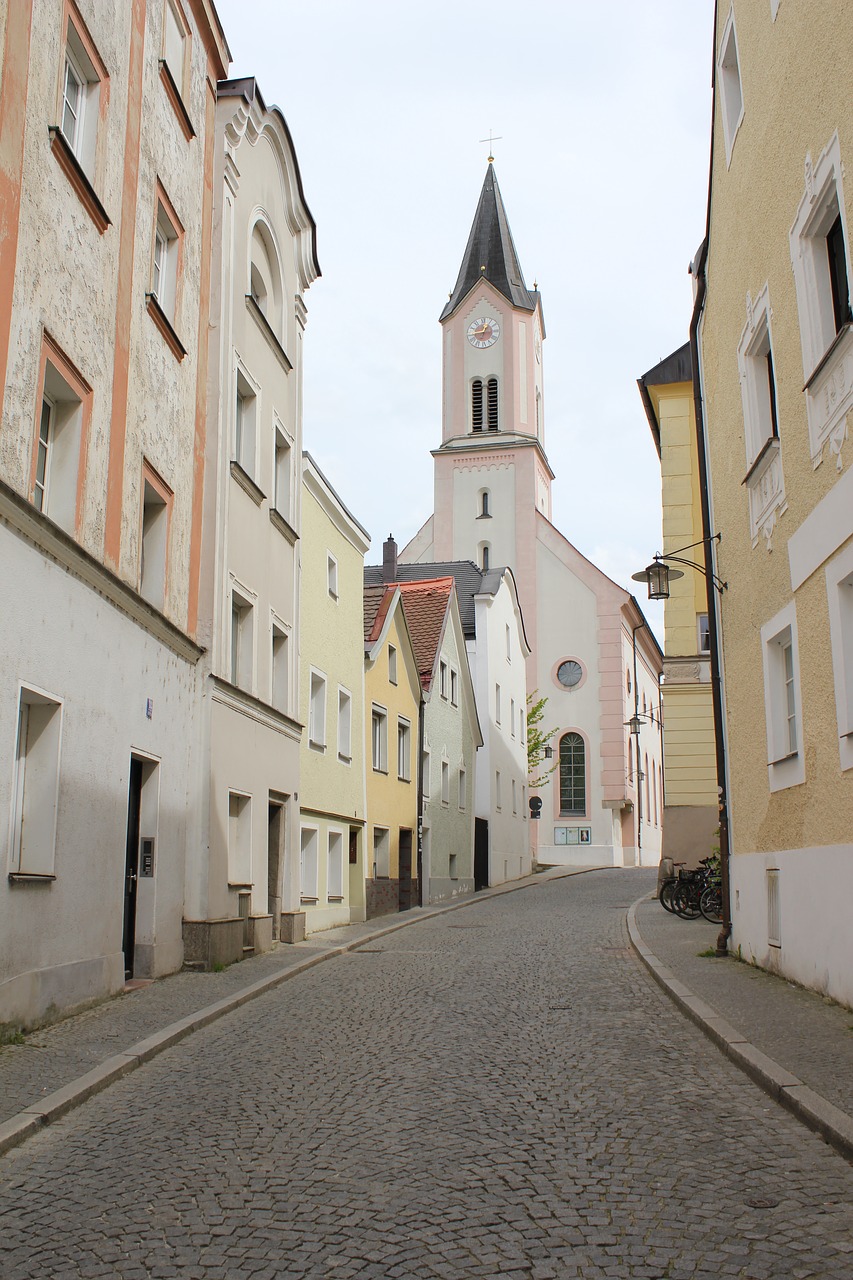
{"type": "Point", "coordinates": [58, 1067]}
{"type": "Point", "coordinates": [792, 1043]}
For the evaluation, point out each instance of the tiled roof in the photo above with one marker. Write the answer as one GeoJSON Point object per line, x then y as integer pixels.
{"type": "Point", "coordinates": [377, 598]}
{"type": "Point", "coordinates": [465, 574]}
{"type": "Point", "coordinates": [425, 606]}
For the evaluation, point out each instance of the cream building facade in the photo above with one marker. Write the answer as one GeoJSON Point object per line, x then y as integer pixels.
{"type": "Point", "coordinates": [243, 874]}
{"type": "Point", "coordinates": [775, 341]}
{"type": "Point", "coordinates": [332, 800]}
{"type": "Point", "coordinates": [690, 812]}
{"type": "Point", "coordinates": [107, 145]}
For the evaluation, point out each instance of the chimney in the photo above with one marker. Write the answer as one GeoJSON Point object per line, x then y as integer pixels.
{"type": "Point", "coordinates": [389, 559]}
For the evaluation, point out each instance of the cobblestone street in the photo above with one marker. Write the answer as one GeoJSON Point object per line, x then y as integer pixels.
{"type": "Point", "coordinates": [497, 1092]}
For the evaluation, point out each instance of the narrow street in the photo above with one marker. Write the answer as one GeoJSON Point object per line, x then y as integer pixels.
{"type": "Point", "coordinates": [498, 1092]}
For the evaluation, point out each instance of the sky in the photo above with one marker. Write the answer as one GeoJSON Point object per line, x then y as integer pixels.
{"type": "Point", "coordinates": [601, 114]}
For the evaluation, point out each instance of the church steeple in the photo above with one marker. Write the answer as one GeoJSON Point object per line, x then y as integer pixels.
{"type": "Point", "coordinates": [490, 253]}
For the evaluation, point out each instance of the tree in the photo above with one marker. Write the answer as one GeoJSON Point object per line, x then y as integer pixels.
{"type": "Point", "coordinates": [537, 741]}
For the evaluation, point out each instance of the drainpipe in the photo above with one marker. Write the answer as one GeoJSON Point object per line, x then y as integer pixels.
{"type": "Point", "coordinates": [420, 822]}
{"type": "Point", "coordinates": [638, 771]}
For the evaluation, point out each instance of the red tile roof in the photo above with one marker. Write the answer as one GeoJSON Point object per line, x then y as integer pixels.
{"type": "Point", "coordinates": [425, 605]}
{"type": "Point", "coordinates": [377, 600]}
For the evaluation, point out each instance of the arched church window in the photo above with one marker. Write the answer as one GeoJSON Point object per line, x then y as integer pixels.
{"type": "Point", "coordinates": [485, 504]}
{"type": "Point", "coordinates": [485, 557]}
{"type": "Point", "coordinates": [265, 285]}
{"type": "Point", "coordinates": [572, 774]}
{"type": "Point", "coordinates": [492, 392]}
{"type": "Point", "coordinates": [477, 404]}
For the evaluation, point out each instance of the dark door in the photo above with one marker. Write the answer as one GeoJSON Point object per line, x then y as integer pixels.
{"type": "Point", "coordinates": [131, 871]}
{"type": "Point", "coordinates": [481, 853]}
{"type": "Point", "coordinates": [404, 900]}
{"type": "Point", "coordinates": [275, 835]}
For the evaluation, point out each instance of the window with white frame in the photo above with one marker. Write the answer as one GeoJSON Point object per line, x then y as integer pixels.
{"type": "Point", "coordinates": [512, 717]}
{"type": "Point", "coordinates": [757, 378]}
{"type": "Point", "coordinates": [497, 788]}
{"type": "Point", "coordinates": [239, 838]}
{"type": "Point", "coordinates": [309, 841]}
{"type": "Point", "coordinates": [242, 640]}
{"type": "Point", "coordinates": [381, 853]}
{"type": "Point", "coordinates": [839, 591]}
{"type": "Point", "coordinates": [344, 726]}
{"type": "Point", "coordinates": [514, 797]}
{"type": "Point", "coordinates": [508, 644]}
{"type": "Point", "coordinates": [426, 762]}
{"type": "Point", "coordinates": [282, 474]}
{"type": "Point", "coordinates": [404, 749]}
{"type": "Point", "coordinates": [332, 575]}
{"type": "Point", "coordinates": [782, 700]}
{"type": "Point", "coordinates": [335, 868]}
{"type": "Point", "coordinates": [35, 784]}
{"type": "Point", "coordinates": [280, 667]}
{"type": "Point", "coordinates": [445, 782]}
{"type": "Point", "coordinates": [729, 82]}
{"type": "Point", "coordinates": [265, 287]}
{"type": "Point", "coordinates": [154, 539]}
{"type": "Point", "coordinates": [59, 447]}
{"type": "Point", "coordinates": [463, 787]}
{"type": "Point", "coordinates": [454, 688]}
{"type": "Point", "coordinates": [392, 664]}
{"type": "Point", "coordinates": [83, 74]}
{"type": "Point", "coordinates": [175, 44]}
{"type": "Point", "coordinates": [442, 678]}
{"type": "Point", "coordinates": [165, 261]}
{"type": "Point", "coordinates": [317, 710]}
{"type": "Point", "coordinates": [497, 704]}
{"type": "Point", "coordinates": [379, 739]}
{"type": "Point", "coordinates": [245, 423]}
{"type": "Point", "coordinates": [703, 633]}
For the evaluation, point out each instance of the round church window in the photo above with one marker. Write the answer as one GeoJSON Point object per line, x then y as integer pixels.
{"type": "Point", "coordinates": [569, 673]}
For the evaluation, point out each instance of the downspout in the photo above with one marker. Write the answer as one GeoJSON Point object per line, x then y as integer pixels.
{"type": "Point", "coordinates": [420, 822]}
{"type": "Point", "coordinates": [639, 774]}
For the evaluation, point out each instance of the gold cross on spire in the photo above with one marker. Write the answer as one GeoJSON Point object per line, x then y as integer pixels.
{"type": "Point", "coordinates": [491, 139]}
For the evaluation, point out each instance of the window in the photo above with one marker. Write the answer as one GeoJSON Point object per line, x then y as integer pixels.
{"type": "Point", "coordinates": [166, 260]}
{"type": "Point", "coordinates": [646, 780]}
{"type": "Point", "coordinates": [445, 782]}
{"type": "Point", "coordinates": [344, 726]}
{"type": "Point", "coordinates": [570, 674]}
{"type": "Point", "coordinates": [757, 377]}
{"type": "Point", "coordinates": [497, 704]}
{"type": "Point", "coordinates": [239, 838]}
{"type": "Point", "coordinates": [265, 288]}
{"type": "Point", "coordinates": [514, 797]}
{"type": "Point", "coordinates": [332, 575]}
{"type": "Point", "coordinates": [308, 864]}
{"type": "Point", "coordinates": [463, 787]}
{"type": "Point", "coordinates": [477, 405]}
{"type": "Point", "coordinates": [728, 78]}
{"type": "Point", "coordinates": [392, 664]}
{"type": "Point", "coordinates": [485, 505]}
{"type": "Point", "coordinates": [497, 788]}
{"type": "Point", "coordinates": [281, 478]}
{"type": "Point", "coordinates": [485, 557]}
{"type": "Point", "coordinates": [839, 590]}
{"type": "Point", "coordinates": [335, 871]}
{"type": "Point", "coordinates": [774, 914]}
{"type": "Point", "coordinates": [703, 633]}
{"type": "Point", "coordinates": [154, 539]}
{"type": "Point", "coordinates": [821, 262]}
{"type": "Point", "coordinates": [245, 423]}
{"type": "Point", "coordinates": [442, 679]}
{"type": "Point", "coordinates": [280, 668]}
{"type": "Point", "coordinates": [785, 762]}
{"type": "Point", "coordinates": [84, 92]}
{"type": "Point", "coordinates": [508, 638]}
{"type": "Point", "coordinates": [426, 761]}
{"type": "Point", "coordinates": [379, 739]}
{"type": "Point", "coordinates": [492, 393]}
{"type": "Point", "coordinates": [454, 687]}
{"type": "Point", "coordinates": [452, 865]}
{"type": "Point", "coordinates": [64, 410]}
{"type": "Point", "coordinates": [381, 853]}
{"type": "Point", "coordinates": [35, 787]}
{"type": "Point", "coordinates": [655, 791]}
{"type": "Point", "coordinates": [572, 774]}
{"type": "Point", "coordinates": [404, 750]}
{"type": "Point", "coordinates": [317, 710]}
{"type": "Point", "coordinates": [242, 641]}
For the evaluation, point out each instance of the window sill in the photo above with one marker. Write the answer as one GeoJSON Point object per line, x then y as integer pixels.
{"type": "Point", "coordinates": [336, 898]}
{"type": "Point", "coordinates": [286, 530]}
{"type": "Point", "coordinates": [74, 172]}
{"type": "Point", "coordinates": [342, 759]}
{"type": "Point", "coordinates": [400, 778]}
{"type": "Point", "coordinates": [246, 483]}
{"type": "Point", "coordinates": [792, 755]}
{"type": "Point", "coordinates": [827, 356]}
{"type": "Point", "coordinates": [309, 902]}
{"type": "Point", "coordinates": [317, 746]}
{"type": "Point", "coordinates": [268, 332]}
{"type": "Point", "coordinates": [164, 324]}
{"type": "Point", "coordinates": [385, 771]}
{"type": "Point", "coordinates": [31, 877]}
{"type": "Point", "coordinates": [173, 93]}
{"type": "Point", "coordinates": [759, 457]}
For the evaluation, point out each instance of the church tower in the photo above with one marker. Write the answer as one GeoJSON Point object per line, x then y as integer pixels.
{"type": "Point", "coordinates": [491, 472]}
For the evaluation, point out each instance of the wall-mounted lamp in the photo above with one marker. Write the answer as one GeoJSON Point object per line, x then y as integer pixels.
{"type": "Point", "coordinates": [549, 753]}
{"type": "Point", "coordinates": [658, 575]}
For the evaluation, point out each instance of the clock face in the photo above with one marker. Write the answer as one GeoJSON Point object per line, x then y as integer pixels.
{"type": "Point", "coordinates": [483, 332]}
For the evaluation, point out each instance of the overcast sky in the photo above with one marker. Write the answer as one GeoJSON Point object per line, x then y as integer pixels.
{"type": "Point", "coordinates": [603, 112]}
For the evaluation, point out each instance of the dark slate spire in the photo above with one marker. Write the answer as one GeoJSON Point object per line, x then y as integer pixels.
{"type": "Point", "coordinates": [490, 253]}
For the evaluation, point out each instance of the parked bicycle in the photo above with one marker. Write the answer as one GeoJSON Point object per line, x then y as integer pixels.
{"type": "Point", "coordinates": [689, 893]}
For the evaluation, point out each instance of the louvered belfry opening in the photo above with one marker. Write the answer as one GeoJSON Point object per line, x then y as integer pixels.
{"type": "Point", "coordinates": [477, 405]}
{"type": "Point", "coordinates": [492, 389]}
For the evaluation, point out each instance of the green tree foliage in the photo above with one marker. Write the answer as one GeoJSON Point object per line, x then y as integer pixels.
{"type": "Point", "coordinates": [538, 772]}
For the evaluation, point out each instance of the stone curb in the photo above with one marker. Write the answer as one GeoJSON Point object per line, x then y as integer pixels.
{"type": "Point", "coordinates": [834, 1125]}
{"type": "Point", "coordinates": [30, 1121]}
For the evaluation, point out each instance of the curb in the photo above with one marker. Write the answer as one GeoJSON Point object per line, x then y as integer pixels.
{"type": "Point", "coordinates": [830, 1122]}
{"type": "Point", "coordinates": [32, 1119]}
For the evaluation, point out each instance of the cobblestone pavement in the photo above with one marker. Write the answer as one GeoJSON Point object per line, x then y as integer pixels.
{"type": "Point", "coordinates": [498, 1092]}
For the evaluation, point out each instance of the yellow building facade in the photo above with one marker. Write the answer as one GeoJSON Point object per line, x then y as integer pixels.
{"type": "Point", "coordinates": [690, 773]}
{"type": "Point", "coordinates": [775, 341]}
{"type": "Point", "coordinates": [332, 796]}
{"type": "Point", "coordinates": [392, 691]}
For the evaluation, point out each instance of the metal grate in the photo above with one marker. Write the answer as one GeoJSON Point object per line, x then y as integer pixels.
{"type": "Point", "coordinates": [477, 405]}
{"type": "Point", "coordinates": [774, 920]}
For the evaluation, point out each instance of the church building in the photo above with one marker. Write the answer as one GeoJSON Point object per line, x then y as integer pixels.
{"type": "Point", "coordinates": [592, 654]}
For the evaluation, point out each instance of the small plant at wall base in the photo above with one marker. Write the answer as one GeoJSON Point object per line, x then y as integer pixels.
{"type": "Point", "coordinates": [538, 769]}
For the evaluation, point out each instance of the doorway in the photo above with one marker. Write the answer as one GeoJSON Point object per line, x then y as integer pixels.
{"type": "Point", "coordinates": [275, 864]}
{"type": "Point", "coordinates": [131, 864]}
{"type": "Point", "coordinates": [481, 853]}
{"type": "Point", "coordinates": [404, 897]}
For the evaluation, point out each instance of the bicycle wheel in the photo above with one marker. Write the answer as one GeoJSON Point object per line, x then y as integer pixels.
{"type": "Point", "coordinates": [711, 904]}
{"type": "Point", "coordinates": [686, 902]}
{"type": "Point", "coordinates": [665, 896]}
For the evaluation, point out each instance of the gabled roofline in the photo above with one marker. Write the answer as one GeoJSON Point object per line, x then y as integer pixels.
{"type": "Point", "coordinates": [491, 588]}
{"type": "Point", "coordinates": [337, 511]}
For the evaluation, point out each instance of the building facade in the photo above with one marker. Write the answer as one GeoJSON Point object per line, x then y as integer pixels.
{"type": "Point", "coordinates": [775, 346]}
{"type": "Point", "coordinates": [332, 801]}
{"type": "Point", "coordinates": [493, 505]}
